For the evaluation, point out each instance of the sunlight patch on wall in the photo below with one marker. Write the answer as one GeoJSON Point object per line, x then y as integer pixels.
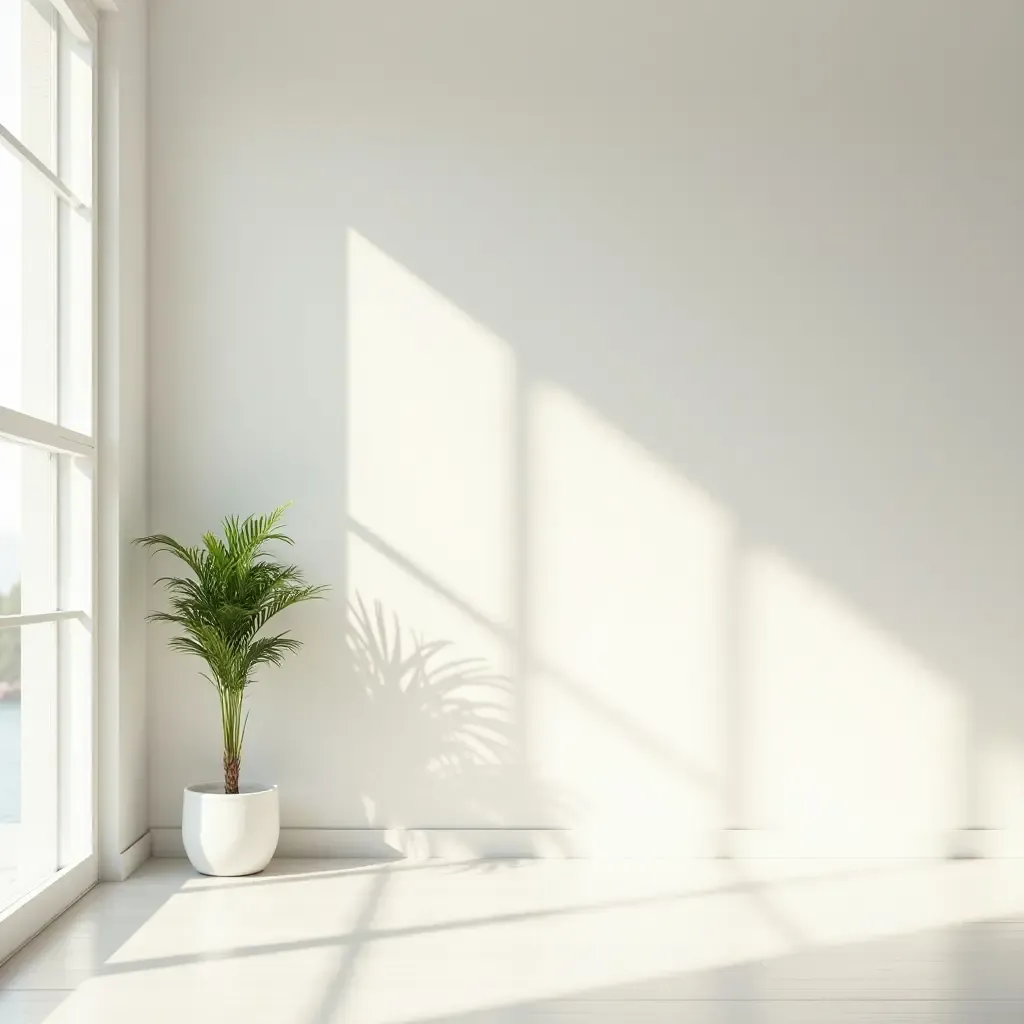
{"type": "Point", "coordinates": [851, 734]}
{"type": "Point", "coordinates": [627, 591]}
{"type": "Point", "coordinates": [430, 397]}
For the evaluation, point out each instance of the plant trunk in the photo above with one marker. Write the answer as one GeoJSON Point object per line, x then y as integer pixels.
{"type": "Point", "coordinates": [231, 768]}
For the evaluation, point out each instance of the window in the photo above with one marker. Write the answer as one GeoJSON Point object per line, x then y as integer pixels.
{"type": "Point", "coordinates": [47, 452]}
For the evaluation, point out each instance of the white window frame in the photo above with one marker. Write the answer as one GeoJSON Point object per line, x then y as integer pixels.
{"type": "Point", "coordinates": [77, 865]}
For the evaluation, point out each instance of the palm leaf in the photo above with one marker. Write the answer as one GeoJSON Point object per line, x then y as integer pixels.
{"type": "Point", "coordinates": [235, 588]}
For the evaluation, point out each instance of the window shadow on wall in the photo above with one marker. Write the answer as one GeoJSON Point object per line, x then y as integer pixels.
{"type": "Point", "coordinates": [712, 614]}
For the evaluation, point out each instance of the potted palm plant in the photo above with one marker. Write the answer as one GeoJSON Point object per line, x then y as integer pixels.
{"type": "Point", "coordinates": [234, 590]}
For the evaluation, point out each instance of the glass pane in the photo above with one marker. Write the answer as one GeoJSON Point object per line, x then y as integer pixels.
{"type": "Point", "coordinates": [76, 665]}
{"type": "Point", "coordinates": [10, 729]}
{"type": "Point", "coordinates": [75, 117]}
{"type": "Point", "coordinates": [28, 571]}
{"type": "Point", "coordinates": [28, 757]}
{"type": "Point", "coordinates": [28, 290]}
{"type": "Point", "coordinates": [76, 322]}
{"type": "Point", "coordinates": [28, 79]}
{"type": "Point", "coordinates": [75, 732]}
{"type": "Point", "coordinates": [76, 242]}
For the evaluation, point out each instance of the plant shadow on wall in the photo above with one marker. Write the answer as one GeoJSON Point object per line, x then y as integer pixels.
{"type": "Point", "coordinates": [434, 733]}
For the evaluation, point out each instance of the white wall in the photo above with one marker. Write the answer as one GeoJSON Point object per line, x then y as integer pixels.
{"type": "Point", "coordinates": [123, 755]}
{"type": "Point", "coordinates": [665, 355]}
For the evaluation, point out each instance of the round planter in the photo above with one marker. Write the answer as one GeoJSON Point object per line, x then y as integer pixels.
{"type": "Point", "coordinates": [232, 834]}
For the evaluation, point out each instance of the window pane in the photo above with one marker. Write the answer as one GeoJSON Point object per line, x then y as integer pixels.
{"type": "Point", "coordinates": [46, 500]}
{"type": "Point", "coordinates": [28, 290]}
{"type": "Point", "coordinates": [76, 738]}
{"type": "Point", "coordinates": [76, 241]}
{"type": "Point", "coordinates": [10, 770]}
{"type": "Point", "coordinates": [28, 79]}
{"type": "Point", "coordinates": [10, 730]}
{"type": "Point", "coordinates": [28, 757]}
{"type": "Point", "coordinates": [28, 571]}
{"type": "Point", "coordinates": [76, 655]}
{"type": "Point", "coordinates": [76, 321]}
{"type": "Point", "coordinates": [75, 113]}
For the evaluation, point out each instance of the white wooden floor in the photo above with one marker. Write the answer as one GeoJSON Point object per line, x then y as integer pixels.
{"type": "Point", "coordinates": [561, 942]}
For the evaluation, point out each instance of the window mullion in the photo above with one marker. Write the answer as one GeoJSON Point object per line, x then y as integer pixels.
{"type": "Point", "coordinates": [79, 17]}
{"type": "Point", "coordinates": [29, 158]}
{"type": "Point", "coordinates": [29, 430]}
{"type": "Point", "coordinates": [33, 619]}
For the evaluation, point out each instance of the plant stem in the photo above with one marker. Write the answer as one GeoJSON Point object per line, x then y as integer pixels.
{"type": "Point", "coordinates": [231, 775]}
{"type": "Point", "coordinates": [233, 727]}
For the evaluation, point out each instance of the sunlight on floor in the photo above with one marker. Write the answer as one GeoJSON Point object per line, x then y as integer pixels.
{"type": "Point", "coordinates": [528, 941]}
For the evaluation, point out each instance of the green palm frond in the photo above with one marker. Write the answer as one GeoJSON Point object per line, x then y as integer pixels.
{"type": "Point", "coordinates": [234, 590]}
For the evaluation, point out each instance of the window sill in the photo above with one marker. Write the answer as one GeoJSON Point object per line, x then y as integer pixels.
{"type": "Point", "coordinates": [23, 920]}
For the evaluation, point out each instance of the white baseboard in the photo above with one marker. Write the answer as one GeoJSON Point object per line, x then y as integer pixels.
{"type": "Point", "coordinates": [467, 844]}
{"type": "Point", "coordinates": [135, 856]}
{"type": "Point", "coordinates": [527, 843]}
{"type": "Point", "coordinates": [966, 843]}
{"type": "Point", "coordinates": [769, 844]}
{"type": "Point", "coordinates": [414, 844]}
{"type": "Point", "coordinates": [989, 843]}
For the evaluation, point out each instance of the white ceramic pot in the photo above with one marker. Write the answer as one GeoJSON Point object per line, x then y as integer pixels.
{"type": "Point", "coordinates": [232, 834]}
